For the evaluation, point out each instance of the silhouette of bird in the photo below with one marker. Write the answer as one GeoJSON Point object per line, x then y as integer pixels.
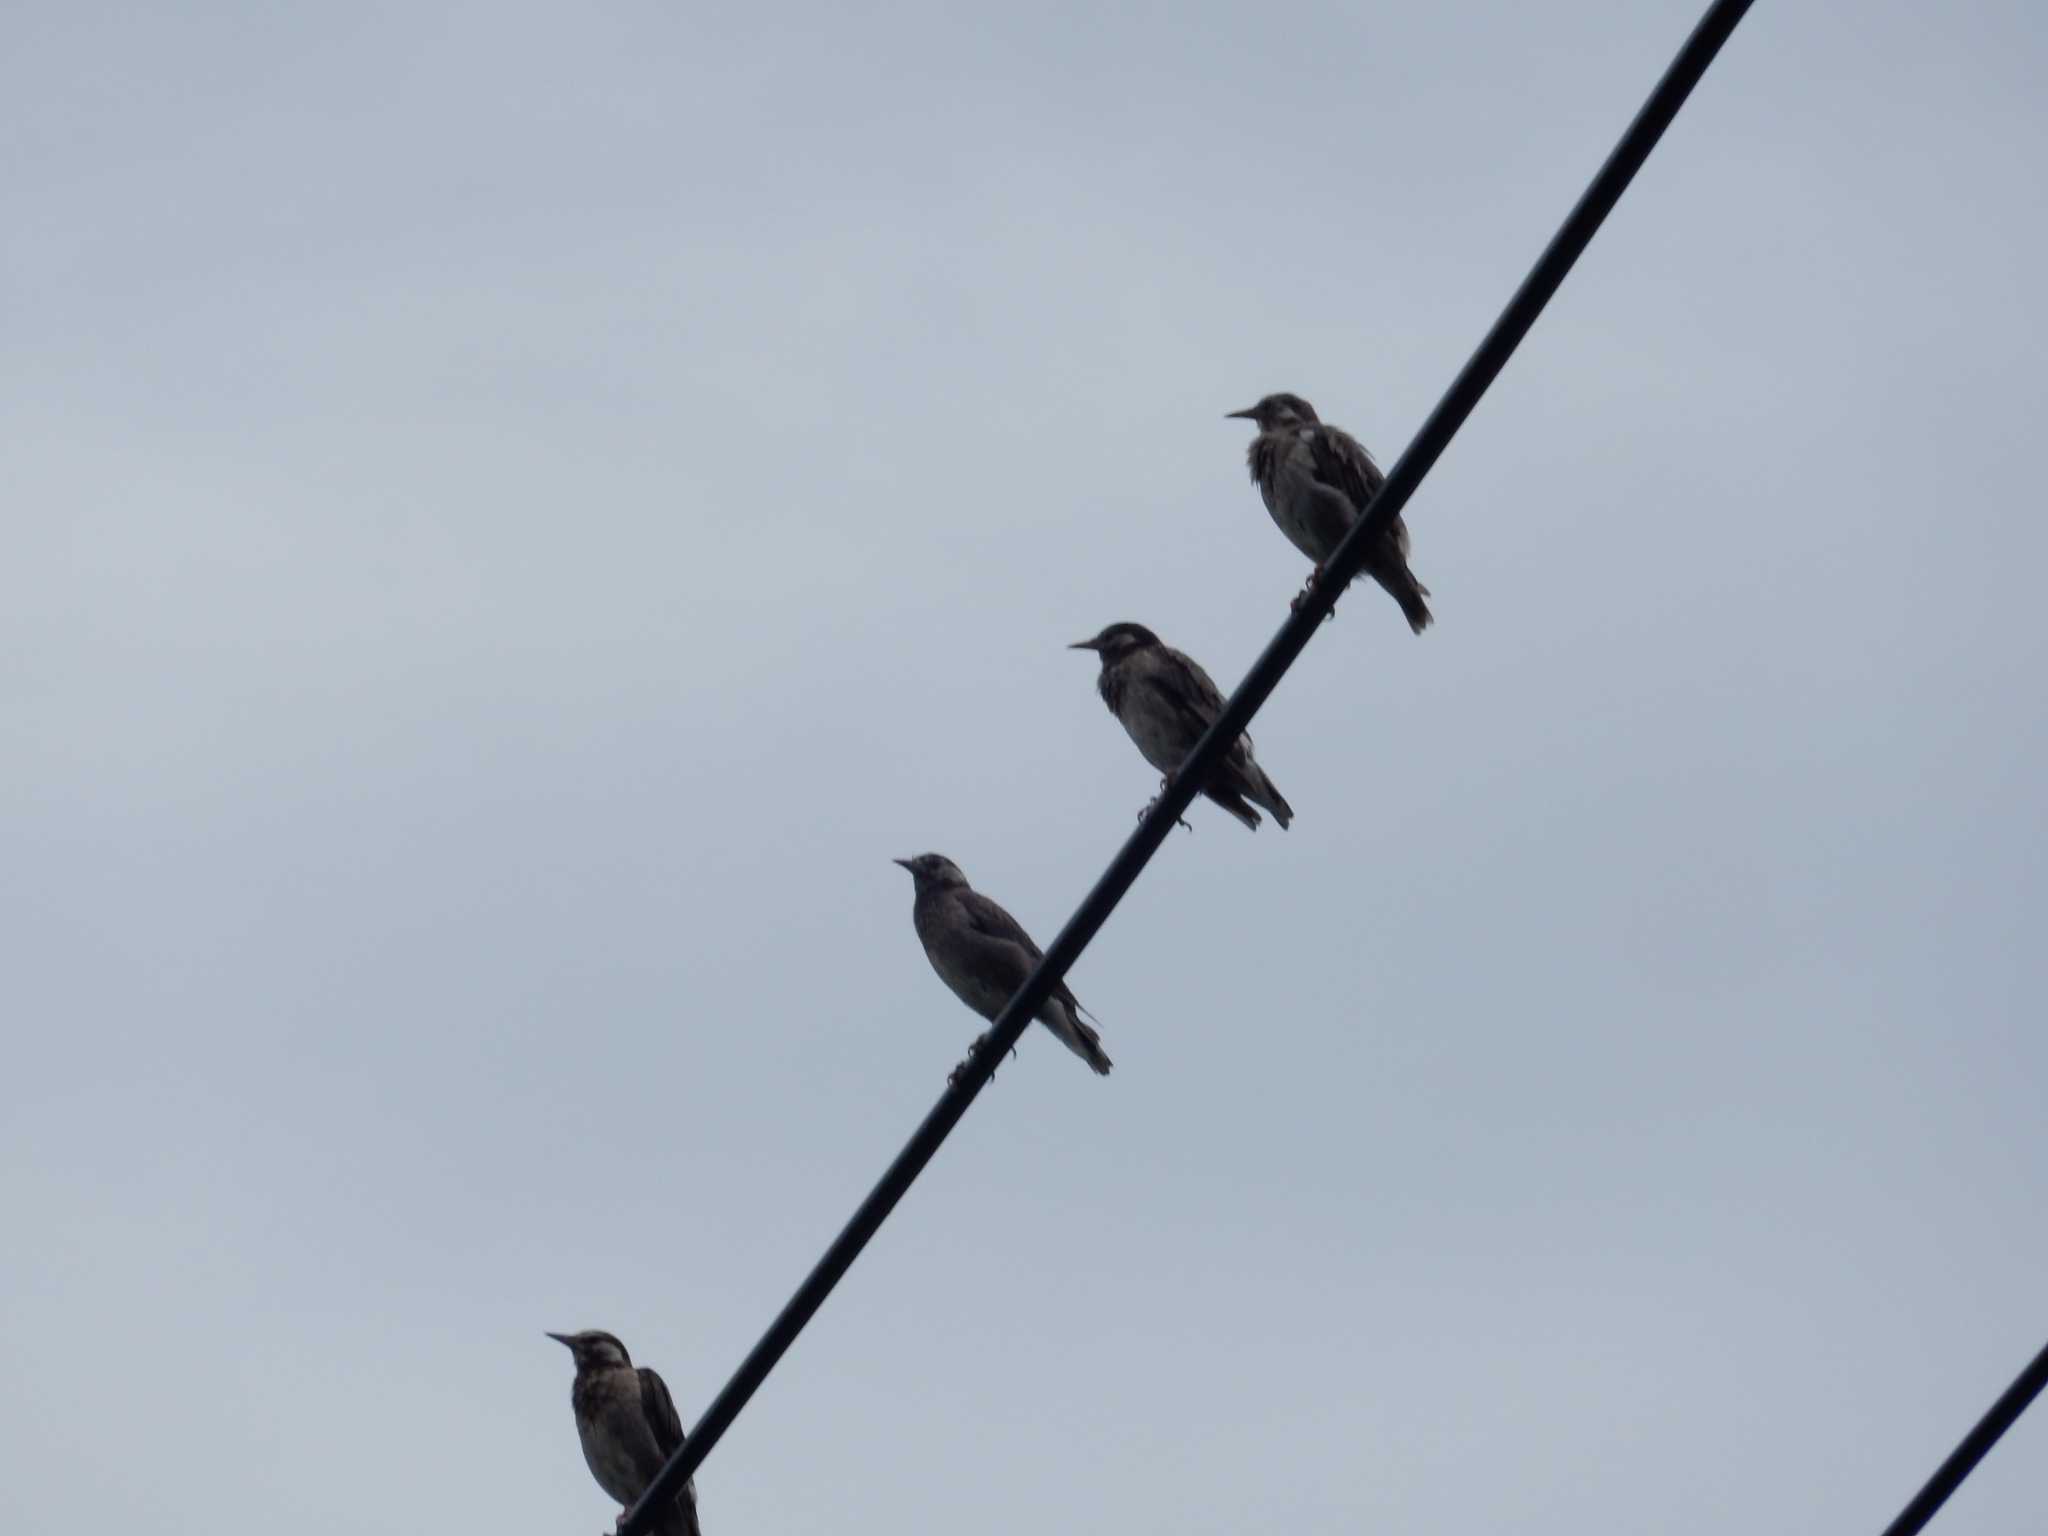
{"type": "Point", "coordinates": [1166, 702]}
{"type": "Point", "coordinates": [983, 954]}
{"type": "Point", "coordinates": [628, 1425]}
{"type": "Point", "coordinates": [1316, 481]}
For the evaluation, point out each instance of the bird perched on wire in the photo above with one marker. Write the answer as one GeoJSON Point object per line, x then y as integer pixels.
{"type": "Point", "coordinates": [984, 954]}
{"type": "Point", "coordinates": [1166, 702]}
{"type": "Point", "coordinates": [1316, 480]}
{"type": "Point", "coordinates": [628, 1425]}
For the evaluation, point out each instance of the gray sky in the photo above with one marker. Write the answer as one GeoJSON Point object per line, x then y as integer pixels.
{"type": "Point", "coordinates": [516, 513]}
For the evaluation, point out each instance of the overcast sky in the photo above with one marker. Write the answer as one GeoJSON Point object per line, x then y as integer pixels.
{"type": "Point", "coordinates": [514, 514]}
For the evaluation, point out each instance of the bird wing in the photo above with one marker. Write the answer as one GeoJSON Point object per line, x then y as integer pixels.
{"type": "Point", "coordinates": [1339, 460]}
{"type": "Point", "coordinates": [987, 918]}
{"type": "Point", "coordinates": [1195, 697]}
{"type": "Point", "coordinates": [1180, 680]}
{"type": "Point", "coordinates": [659, 1409]}
{"type": "Point", "coordinates": [1176, 698]}
{"type": "Point", "coordinates": [1005, 936]}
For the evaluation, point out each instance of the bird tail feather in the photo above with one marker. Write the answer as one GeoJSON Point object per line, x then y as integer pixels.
{"type": "Point", "coordinates": [1270, 797]}
{"type": "Point", "coordinates": [1080, 1037]}
{"type": "Point", "coordinates": [681, 1518]}
{"type": "Point", "coordinates": [1411, 594]}
{"type": "Point", "coordinates": [1232, 799]}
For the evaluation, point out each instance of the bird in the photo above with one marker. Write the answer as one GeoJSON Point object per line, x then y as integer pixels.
{"type": "Point", "coordinates": [1316, 480]}
{"type": "Point", "coordinates": [628, 1425]}
{"type": "Point", "coordinates": [1165, 701]}
{"type": "Point", "coordinates": [983, 954]}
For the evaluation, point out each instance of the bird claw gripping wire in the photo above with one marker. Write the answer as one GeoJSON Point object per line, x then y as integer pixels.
{"type": "Point", "coordinates": [953, 1076]}
{"type": "Point", "coordinates": [1301, 597]}
{"type": "Point", "coordinates": [1147, 811]}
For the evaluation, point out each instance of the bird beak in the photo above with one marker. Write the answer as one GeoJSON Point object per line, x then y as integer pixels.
{"type": "Point", "coordinates": [1249, 413]}
{"type": "Point", "coordinates": [564, 1338]}
{"type": "Point", "coordinates": [1085, 645]}
{"type": "Point", "coordinates": [904, 862]}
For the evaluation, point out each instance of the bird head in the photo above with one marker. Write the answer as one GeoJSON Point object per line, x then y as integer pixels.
{"type": "Point", "coordinates": [1116, 642]}
{"type": "Point", "coordinates": [1278, 412]}
{"type": "Point", "coordinates": [594, 1349]}
{"type": "Point", "coordinates": [931, 870]}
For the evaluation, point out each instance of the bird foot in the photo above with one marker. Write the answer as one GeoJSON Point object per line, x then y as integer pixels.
{"type": "Point", "coordinates": [1147, 811]}
{"type": "Point", "coordinates": [973, 1050]}
{"type": "Point", "coordinates": [1301, 597]}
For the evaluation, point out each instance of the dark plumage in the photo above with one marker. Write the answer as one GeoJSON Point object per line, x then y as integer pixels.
{"type": "Point", "coordinates": [628, 1425]}
{"type": "Point", "coordinates": [984, 954]}
{"type": "Point", "coordinates": [1166, 702]}
{"type": "Point", "coordinates": [1315, 481]}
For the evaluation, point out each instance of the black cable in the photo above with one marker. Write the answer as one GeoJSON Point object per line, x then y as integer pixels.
{"type": "Point", "coordinates": [1437, 431]}
{"type": "Point", "coordinates": [1962, 1461]}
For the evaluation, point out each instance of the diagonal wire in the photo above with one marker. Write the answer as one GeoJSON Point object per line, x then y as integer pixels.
{"type": "Point", "coordinates": [1976, 1445]}
{"type": "Point", "coordinates": [1437, 431]}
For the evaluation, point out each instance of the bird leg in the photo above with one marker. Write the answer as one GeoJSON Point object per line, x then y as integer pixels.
{"type": "Point", "coordinates": [1155, 800]}
{"type": "Point", "coordinates": [1307, 587]}
{"type": "Point", "coordinates": [980, 1040]}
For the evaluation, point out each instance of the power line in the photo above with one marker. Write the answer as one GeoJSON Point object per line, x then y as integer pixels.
{"type": "Point", "coordinates": [1437, 431]}
{"type": "Point", "coordinates": [1962, 1461]}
